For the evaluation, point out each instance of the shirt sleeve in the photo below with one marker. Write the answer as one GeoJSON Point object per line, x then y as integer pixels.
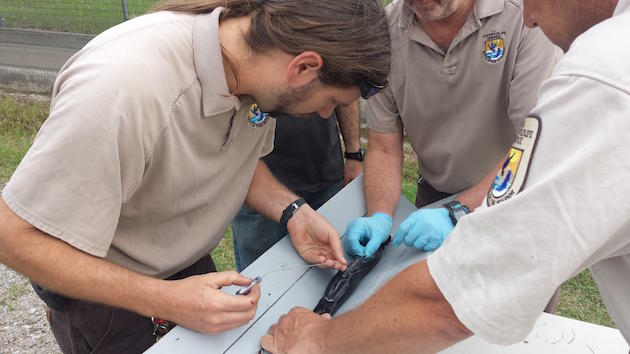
{"type": "Point", "coordinates": [501, 264]}
{"type": "Point", "coordinates": [382, 112]}
{"type": "Point", "coordinates": [86, 160]}
{"type": "Point", "coordinates": [535, 60]}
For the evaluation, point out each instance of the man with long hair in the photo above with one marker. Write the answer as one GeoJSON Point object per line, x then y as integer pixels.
{"type": "Point", "coordinates": [153, 142]}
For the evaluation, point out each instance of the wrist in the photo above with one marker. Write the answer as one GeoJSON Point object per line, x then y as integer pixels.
{"type": "Point", "coordinates": [456, 210]}
{"type": "Point", "coordinates": [160, 305]}
{"type": "Point", "coordinates": [298, 217]}
{"type": "Point", "coordinates": [290, 210]}
{"type": "Point", "coordinates": [358, 154]}
{"type": "Point", "coordinates": [318, 338]}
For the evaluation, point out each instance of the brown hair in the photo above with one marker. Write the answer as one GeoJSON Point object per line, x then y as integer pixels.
{"type": "Point", "coordinates": [352, 36]}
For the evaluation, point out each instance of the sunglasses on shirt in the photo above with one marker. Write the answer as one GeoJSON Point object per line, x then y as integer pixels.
{"type": "Point", "coordinates": [369, 88]}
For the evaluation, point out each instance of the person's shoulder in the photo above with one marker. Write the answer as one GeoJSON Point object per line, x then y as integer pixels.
{"type": "Point", "coordinates": [149, 27]}
{"type": "Point", "coordinates": [394, 12]}
{"type": "Point", "coordinates": [601, 53]}
{"type": "Point", "coordinates": [396, 18]}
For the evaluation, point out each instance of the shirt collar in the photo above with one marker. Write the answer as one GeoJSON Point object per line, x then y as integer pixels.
{"type": "Point", "coordinates": [209, 65]}
{"type": "Point", "coordinates": [487, 8]}
{"type": "Point", "coordinates": [622, 7]}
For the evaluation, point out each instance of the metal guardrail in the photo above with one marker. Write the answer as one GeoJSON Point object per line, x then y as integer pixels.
{"type": "Point", "coordinates": [30, 59]}
{"type": "Point", "coordinates": [38, 36]}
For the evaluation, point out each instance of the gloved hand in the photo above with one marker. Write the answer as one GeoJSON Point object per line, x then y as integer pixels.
{"type": "Point", "coordinates": [365, 235]}
{"type": "Point", "coordinates": [424, 229]}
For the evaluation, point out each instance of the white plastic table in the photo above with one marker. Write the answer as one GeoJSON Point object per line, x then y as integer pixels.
{"type": "Point", "coordinates": [281, 291]}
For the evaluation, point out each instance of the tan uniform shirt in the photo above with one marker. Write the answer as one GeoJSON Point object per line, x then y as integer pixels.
{"type": "Point", "coordinates": [461, 108]}
{"type": "Point", "coordinates": [146, 157]}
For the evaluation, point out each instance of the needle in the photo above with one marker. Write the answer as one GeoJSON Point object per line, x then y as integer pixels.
{"type": "Point", "coordinates": [246, 289]}
{"type": "Point", "coordinates": [281, 269]}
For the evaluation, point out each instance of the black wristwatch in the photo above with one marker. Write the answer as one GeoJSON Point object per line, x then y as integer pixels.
{"type": "Point", "coordinates": [456, 210]}
{"type": "Point", "coordinates": [355, 155]}
{"type": "Point", "coordinates": [290, 210]}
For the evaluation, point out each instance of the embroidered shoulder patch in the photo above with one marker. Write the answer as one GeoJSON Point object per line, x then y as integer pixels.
{"type": "Point", "coordinates": [512, 176]}
{"type": "Point", "coordinates": [257, 118]}
{"type": "Point", "coordinates": [494, 46]}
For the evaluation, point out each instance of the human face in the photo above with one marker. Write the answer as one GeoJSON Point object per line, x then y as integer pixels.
{"type": "Point", "coordinates": [432, 10]}
{"type": "Point", "coordinates": [307, 99]}
{"type": "Point", "coordinates": [563, 21]}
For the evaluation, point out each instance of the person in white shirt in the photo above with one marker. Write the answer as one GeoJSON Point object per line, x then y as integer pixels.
{"type": "Point", "coordinates": [559, 207]}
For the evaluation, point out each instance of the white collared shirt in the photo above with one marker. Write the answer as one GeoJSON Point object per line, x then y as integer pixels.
{"type": "Point", "coordinates": [501, 264]}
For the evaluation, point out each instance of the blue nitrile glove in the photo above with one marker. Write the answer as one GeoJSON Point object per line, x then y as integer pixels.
{"type": "Point", "coordinates": [370, 231]}
{"type": "Point", "coordinates": [424, 229]}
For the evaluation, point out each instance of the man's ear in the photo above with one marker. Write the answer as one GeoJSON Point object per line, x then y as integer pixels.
{"type": "Point", "coordinates": [303, 68]}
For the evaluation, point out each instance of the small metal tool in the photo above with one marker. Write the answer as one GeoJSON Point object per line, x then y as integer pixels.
{"type": "Point", "coordinates": [246, 289]}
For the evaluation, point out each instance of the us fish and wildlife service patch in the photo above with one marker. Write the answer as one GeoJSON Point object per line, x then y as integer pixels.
{"type": "Point", "coordinates": [513, 173]}
{"type": "Point", "coordinates": [257, 118]}
{"type": "Point", "coordinates": [494, 47]}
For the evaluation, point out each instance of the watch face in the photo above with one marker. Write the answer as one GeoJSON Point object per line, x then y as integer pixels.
{"type": "Point", "coordinates": [459, 213]}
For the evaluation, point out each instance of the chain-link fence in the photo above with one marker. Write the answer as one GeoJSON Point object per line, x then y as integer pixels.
{"type": "Point", "coordinates": [38, 36]}
{"type": "Point", "coordinates": [76, 16]}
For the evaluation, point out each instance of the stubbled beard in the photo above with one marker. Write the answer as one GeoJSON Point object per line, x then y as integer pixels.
{"type": "Point", "coordinates": [445, 9]}
{"type": "Point", "coordinates": [288, 99]}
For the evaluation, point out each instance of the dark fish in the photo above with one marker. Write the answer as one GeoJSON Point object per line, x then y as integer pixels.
{"type": "Point", "coordinates": [344, 283]}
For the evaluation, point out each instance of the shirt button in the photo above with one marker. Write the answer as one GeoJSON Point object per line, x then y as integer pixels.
{"type": "Point", "coordinates": [451, 70]}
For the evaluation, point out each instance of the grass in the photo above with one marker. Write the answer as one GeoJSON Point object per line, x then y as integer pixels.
{"type": "Point", "coordinates": [20, 117]}
{"type": "Point", "coordinates": [79, 16]}
{"type": "Point", "coordinates": [13, 294]}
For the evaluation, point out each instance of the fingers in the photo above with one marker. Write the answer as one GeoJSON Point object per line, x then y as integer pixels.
{"type": "Point", "coordinates": [267, 343]}
{"type": "Point", "coordinates": [354, 233]}
{"type": "Point", "coordinates": [238, 303]}
{"type": "Point", "coordinates": [372, 246]}
{"type": "Point", "coordinates": [231, 320]}
{"type": "Point", "coordinates": [421, 241]}
{"type": "Point", "coordinates": [403, 230]}
{"type": "Point", "coordinates": [221, 279]}
{"type": "Point", "coordinates": [433, 244]}
{"type": "Point", "coordinates": [337, 250]}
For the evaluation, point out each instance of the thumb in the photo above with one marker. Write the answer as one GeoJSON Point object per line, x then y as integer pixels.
{"type": "Point", "coordinates": [403, 230]}
{"type": "Point", "coordinates": [372, 246]}
{"type": "Point", "coordinates": [266, 342]}
{"type": "Point", "coordinates": [354, 233]}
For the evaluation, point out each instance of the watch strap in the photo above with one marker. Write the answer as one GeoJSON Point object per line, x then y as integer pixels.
{"type": "Point", "coordinates": [290, 210]}
{"type": "Point", "coordinates": [359, 155]}
{"type": "Point", "coordinates": [456, 210]}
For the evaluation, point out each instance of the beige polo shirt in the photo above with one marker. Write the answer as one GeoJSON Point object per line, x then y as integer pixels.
{"type": "Point", "coordinates": [146, 157]}
{"type": "Point", "coordinates": [461, 108]}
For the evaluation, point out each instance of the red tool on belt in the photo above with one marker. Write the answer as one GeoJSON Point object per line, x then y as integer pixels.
{"type": "Point", "coordinates": [161, 327]}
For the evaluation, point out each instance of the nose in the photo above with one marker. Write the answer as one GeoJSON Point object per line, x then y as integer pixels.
{"type": "Point", "coordinates": [529, 17]}
{"type": "Point", "coordinates": [327, 110]}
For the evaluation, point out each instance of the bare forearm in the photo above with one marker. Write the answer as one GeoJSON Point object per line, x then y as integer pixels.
{"type": "Point", "coordinates": [348, 119]}
{"type": "Point", "coordinates": [383, 175]}
{"type": "Point", "coordinates": [66, 270]}
{"type": "Point", "coordinates": [473, 196]}
{"type": "Point", "coordinates": [383, 323]}
{"type": "Point", "coordinates": [267, 195]}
